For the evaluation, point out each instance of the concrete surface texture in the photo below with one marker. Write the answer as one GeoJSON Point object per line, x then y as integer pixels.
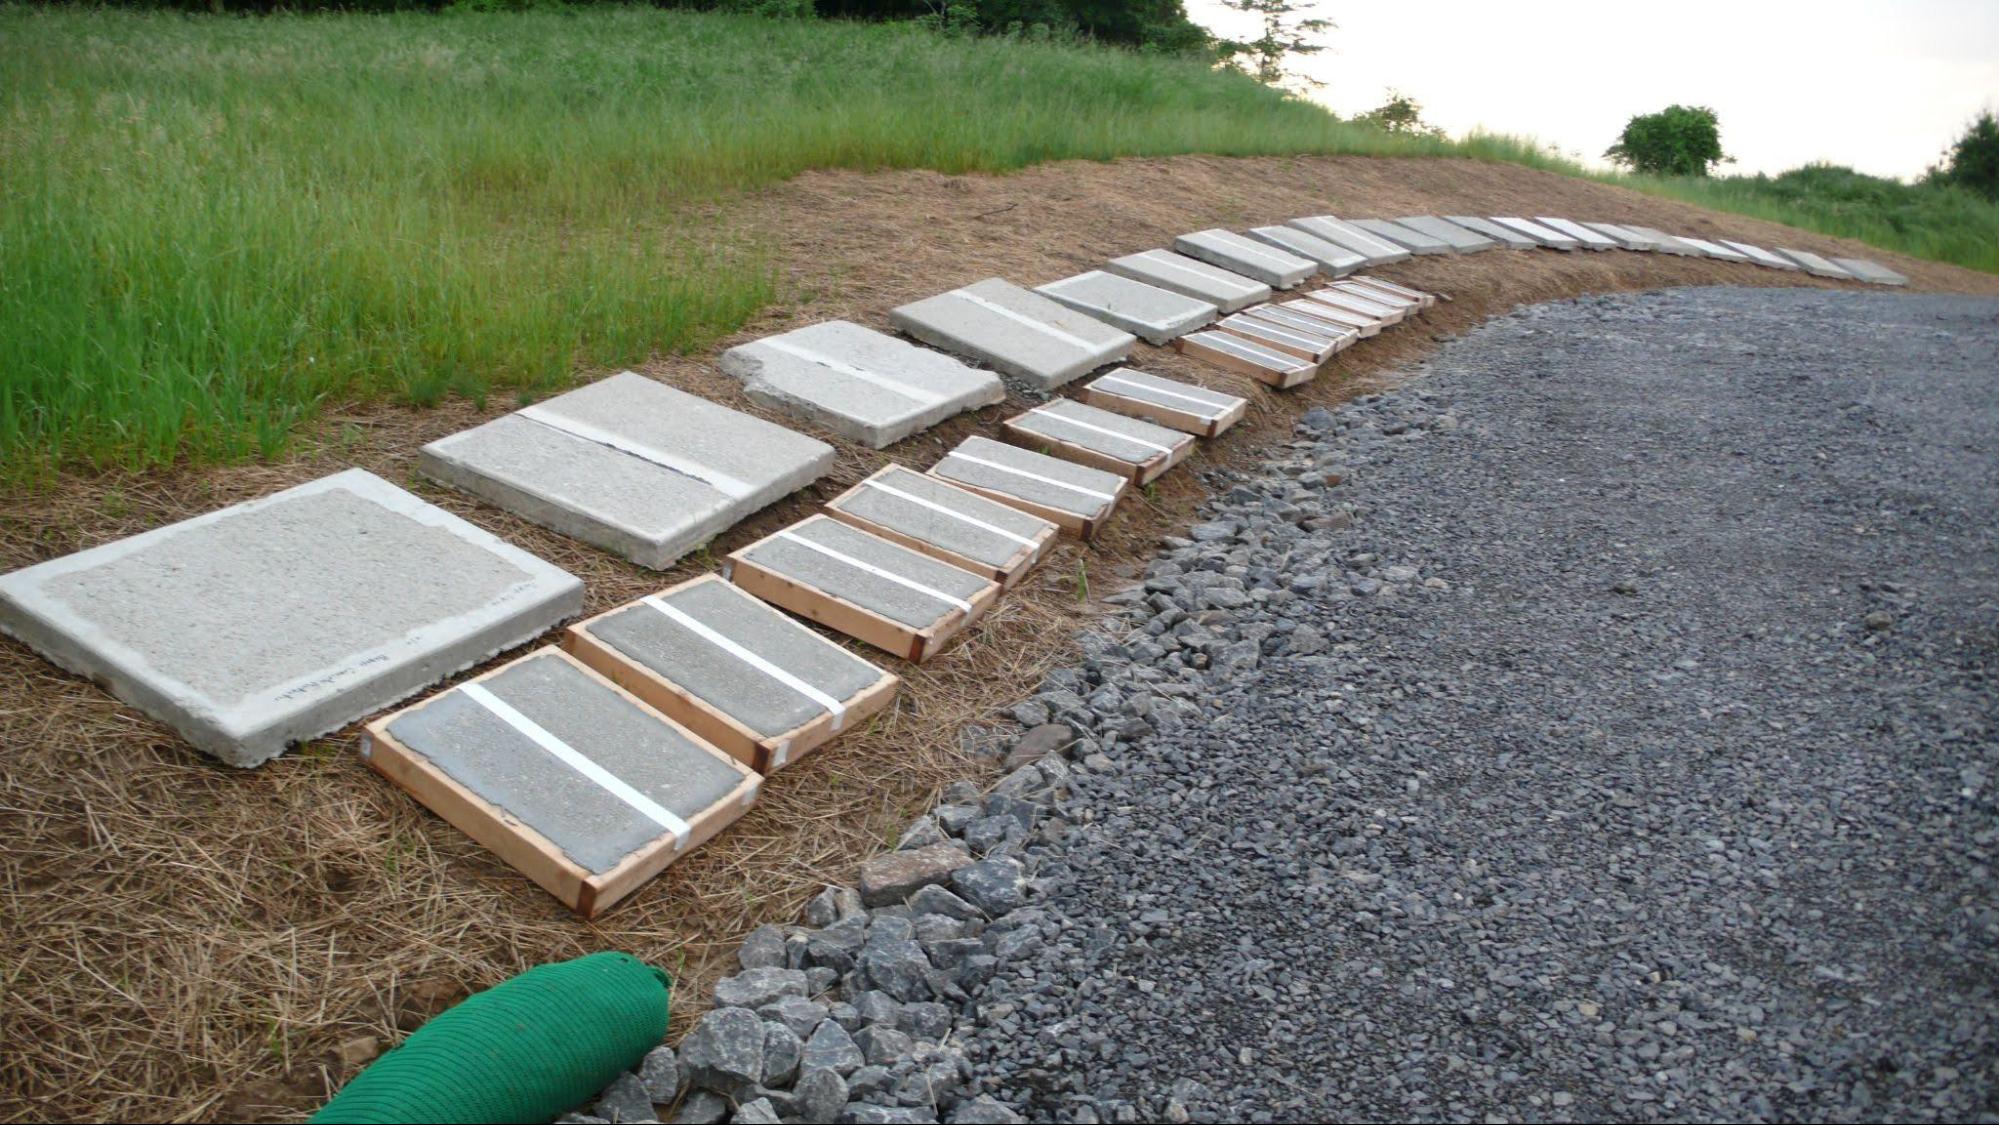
{"type": "Point", "coordinates": [1505, 236]}
{"type": "Point", "coordinates": [1463, 240]}
{"type": "Point", "coordinates": [1266, 365]}
{"type": "Point", "coordinates": [1815, 264]}
{"type": "Point", "coordinates": [1415, 241]}
{"type": "Point", "coordinates": [595, 773]}
{"type": "Point", "coordinates": [1759, 255]}
{"type": "Point", "coordinates": [1015, 331]}
{"type": "Point", "coordinates": [1585, 237]}
{"type": "Point", "coordinates": [1867, 270]}
{"type": "Point", "coordinates": [1358, 303]}
{"type": "Point", "coordinates": [1625, 237]}
{"type": "Point", "coordinates": [1334, 260]}
{"type": "Point", "coordinates": [1386, 292]}
{"type": "Point", "coordinates": [912, 589]}
{"type": "Point", "coordinates": [1007, 471]}
{"type": "Point", "coordinates": [630, 465]}
{"type": "Point", "coordinates": [280, 619]}
{"type": "Point", "coordinates": [1151, 313]}
{"type": "Point", "coordinates": [737, 654]}
{"type": "Point", "coordinates": [1129, 390]}
{"type": "Point", "coordinates": [1133, 441]}
{"type": "Point", "coordinates": [1306, 341]}
{"type": "Point", "coordinates": [1377, 250]}
{"type": "Point", "coordinates": [1333, 315]}
{"type": "Point", "coordinates": [861, 384]}
{"type": "Point", "coordinates": [1713, 249]}
{"type": "Point", "coordinates": [943, 517]}
{"type": "Point", "coordinates": [1671, 244]}
{"type": "Point", "coordinates": [1306, 322]}
{"type": "Point", "coordinates": [1279, 269]}
{"type": "Point", "coordinates": [1539, 232]}
{"type": "Point", "coordinates": [1224, 289]}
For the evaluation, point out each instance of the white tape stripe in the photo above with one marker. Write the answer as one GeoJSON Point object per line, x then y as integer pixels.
{"type": "Point", "coordinates": [887, 383]}
{"type": "Point", "coordinates": [610, 782]}
{"type": "Point", "coordinates": [1277, 332]}
{"type": "Point", "coordinates": [1215, 406]}
{"type": "Point", "coordinates": [1368, 291]}
{"type": "Point", "coordinates": [1030, 476]}
{"type": "Point", "coordinates": [942, 510]}
{"type": "Point", "coordinates": [832, 705]}
{"type": "Point", "coordinates": [1236, 345]}
{"type": "Point", "coordinates": [720, 482]}
{"type": "Point", "coordinates": [1247, 249]}
{"type": "Point", "coordinates": [1039, 326]}
{"type": "Point", "coordinates": [907, 583]}
{"type": "Point", "coordinates": [1043, 412]}
{"type": "Point", "coordinates": [1201, 275]}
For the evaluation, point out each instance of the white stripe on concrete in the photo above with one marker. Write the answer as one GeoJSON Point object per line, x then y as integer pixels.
{"type": "Point", "coordinates": [838, 710]}
{"type": "Point", "coordinates": [895, 386]}
{"type": "Point", "coordinates": [1041, 412]}
{"type": "Point", "coordinates": [907, 583]}
{"type": "Point", "coordinates": [944, 511]}
{"type": "Point", "coordinates": [1214, 406]}
{"type": "Point", "coordinates": [610, 782]}
{"type": "Point", "coordinates": [721, 482]}
{"type": "Point", "coordinates": [1241, 347]}
{"type": "Point", "coordinates": [1030, 476]}
{"type": "Point", "coordinates": [1168, 263]}
{"type": "Point", "coordinates": [1039, 326]}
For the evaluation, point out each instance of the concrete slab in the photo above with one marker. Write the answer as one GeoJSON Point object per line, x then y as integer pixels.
{"type": "Point", "coordinates": [1539, 232]}
{"type": "Point", "coordinates": [1365, 306]}
{"type": "Point", "coordinates": [1343, 336]}
{"type": "Point", "coordinates": [1149, 312]}
{"type": "Point", "coordinates": [875, 591]}
{"type": "Point", "coordinates": [1760, 256]}
{"type": "Point", "coordinates": [575, 782]}
{"type": "Point", "coordinates": [1015, 331]}
{"type": "Point", "coordinates": [1076, 497]}
{"type": "Point", "coordinates": [1671, 244]}
{"type": "Point", "coordinates": [1377, 250]}
{"type": "Point", "coordinates": [1815, 265]}
{"type": "Point", "coordinates": [864, 385]}
{"type": "Point", "coordinates": [280, 619]}
{"type": "Point", "coordinates": [1870, 271]}
{"type": "Point", "coordinates": [1462, 240]}
{"type": "Point", "coordinates": [630, 465]}
{"type": "Point", "coordinates": [1334, 318]}
{"type": "Point", "coordinates": [1414, 241]}
{"type": "Point", "coordinates": [1334, 260]}
{"type": "Point", "coordinates": [1585, 237]}
{"type": "Point", "coordinates": [1309, 346]}
{"type": "Point", "coordinates": [1713, 249]}
{"type": "Point", "coordinates": [1266, 365]}
{"type": "Point", "coordinates": [1090, 435]}
{"type": "Point", "coordinates": [760, 686]}
{"type": "Point", "coordinates": [1189, 277]}
{"type": "Point", "coordinates": [1420, 298]}
{"type": "Point", "coordinates": [1509, 238]}
{"type": "Point", "coordinates": [965, 529]}
{"type": "Point", "coordinates": [1181, 406]}
{"type": "Point", "coordinates": [1625, 237]}
{"type": "Point", "coordinates": [1277, 268]}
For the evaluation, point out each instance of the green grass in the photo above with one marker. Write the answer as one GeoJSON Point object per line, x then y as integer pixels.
{"type": "Point", "coordinates": [1945, 224]}
{"type": "Point", "coordinates": [212, 226]}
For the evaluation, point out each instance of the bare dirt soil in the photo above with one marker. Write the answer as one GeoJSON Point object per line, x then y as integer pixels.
{"type": "Point", "coordinates": [186, 941]}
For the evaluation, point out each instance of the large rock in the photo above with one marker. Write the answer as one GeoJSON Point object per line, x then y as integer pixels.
{"type": "Point", "coordinates": [888, 879]}
{"type": "Point", "coordinates": [830, 1048]}
{"type": "Point", "coordinates": [754, 988]}
{"type": "Point", "coordinates": [993, 885]}
{"type": "Point", "coordinates": [725, 1052]}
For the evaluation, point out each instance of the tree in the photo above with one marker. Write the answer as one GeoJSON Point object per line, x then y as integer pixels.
{"type": "Point", "coordinates": [1288, 30]}
{"type": "Point", "coordinates": [1973, 162]}
{"type": "Point", "coordinates": [1679, 140]}
{"type": "Point", "coordinates": [1399, 114]}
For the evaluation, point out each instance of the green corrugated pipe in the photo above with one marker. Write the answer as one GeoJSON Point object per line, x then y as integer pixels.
{"type": "Point", "coordinates": [525, 1050]}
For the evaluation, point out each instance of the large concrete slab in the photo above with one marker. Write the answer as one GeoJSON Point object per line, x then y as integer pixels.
{"type": "Point", "coordinates": [1671, 244]}
{"type": "Point", "coordinates": [574, 781]}
{"type": "Point", "coordinates": [872, 589]}
{"type": "Point", "coordinates": [1377, 250]}
{"type": "Point", "coordinates": [1815, 265]}
{"type": "Point", "coordinates": [1186, 407]}
{"type": "Point", "coordinates": [1585, 237]}
{"type": "Point", "coordinates": [1414, 241]}
{"type": "Point", "coordinates": [1015, 331]}
{"type": "Point", "coordinates": [1539, 232]}
{"type": "Point", "coordinates": [1076, 497]}
{"type": "Point", "coordinates": [1279, 269]}
{"type": "Point", "coordinates": [1462, 240]}
{"type": "Point", "coordinates": [1149, 312]}
{"type": "Point", "coordinates": [1625, 237]}
{"type": "Point", "coordinates": [734, 670]}
{"type": "Point", "coordinates": [630, 465]}
{"type": "Point", "coordinates": [277, 620]}
{"type": "Point", "coordinates": [861, 384]}
{"type": "Point", "coordinates": [1090, 435]}
{"type": "Point", "coordinates": [1713, 249]}
{"type": "Point", "coordinates": [1189, 277]}
{"type": "Point", "coordinates": [1760, 256]}
{"type": "Point", "coordinates": [1870, 271]}
{"type": "Point", "coordinates": [1334, 260]}
{"type": "Point", "coordinates": [963, 528]}
{"type": "Point", "coordinates": [1505, 236]}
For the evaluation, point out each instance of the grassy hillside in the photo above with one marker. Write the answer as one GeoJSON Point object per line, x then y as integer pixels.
{"type": "Point", "coordinates": [210, 226]}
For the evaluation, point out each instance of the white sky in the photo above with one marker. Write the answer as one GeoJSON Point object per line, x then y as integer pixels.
{"type": "Point", "coordinates": [1879, 86]}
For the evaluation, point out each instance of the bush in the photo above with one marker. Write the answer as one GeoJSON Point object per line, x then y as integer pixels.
{"type": "Point", "coordinates": [1974, 159]}
{"type": "Point", "coordinates": [1676, 141]}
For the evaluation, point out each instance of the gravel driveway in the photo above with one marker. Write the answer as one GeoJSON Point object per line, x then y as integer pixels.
{"type": "Point", "coordinates": [1631, 755]}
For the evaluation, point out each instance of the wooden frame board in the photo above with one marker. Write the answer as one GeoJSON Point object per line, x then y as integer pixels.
{"type": "Point", "coordinates": [1308, 346]}
{"type": "Point", "coordinates": [1006, 574]}
{"type": "Point", "coordinates": [764, 754]}
{"type": "Point", "coordinates": [1343, 336]}
{"type": "Point", "coordinates": [1377, 307]}
{"type": "Point", "coordinates": [1139, 472]}
{"type": "Point", "coordinates": [1078, 521]}
{"type": "Point", "coordinates": [1335, 317]}
{"type": "Point", "coordinates": [1422, 299]}
{"type": "Point", "coordinates": [1231, 352]}
{"type": "Point", "coordinates": [835, 612]}
{"type": "Point", "coordinates": [1188, 421]}
{"type": "Point", "coordinates": [519, 844]}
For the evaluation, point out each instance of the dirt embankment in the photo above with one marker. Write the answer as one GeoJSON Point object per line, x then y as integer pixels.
{"type": "Point", "coordinates": [187, 941]}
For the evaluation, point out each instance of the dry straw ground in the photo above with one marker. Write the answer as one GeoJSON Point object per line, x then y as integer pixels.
{"type": "Point", "coordinates": [184, 941]}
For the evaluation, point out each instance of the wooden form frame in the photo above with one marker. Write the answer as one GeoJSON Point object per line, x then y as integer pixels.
{"type": "Point", "coordinates": [1343, 336]}
{"type": "Point", "coordinates": [1006, 574]}
{"type": "Point", "coordinates": [1081, 524]}
{"type": "Point", "coordinates": [764, 754]}
{"type": "Point", "coordinates": [1266, 365]}
{"type": "Point", "coordinates": [1422, 299]}
{"type": "Point", "coordinates": [835, 612]}
{"type": "Point", "coordinates": [1334, 317]}
{"type": "Point", "coordinates": [520, 844]}
{"type": "Point", "coordinates": [1140, 473]}
{"type": "Point", "coordinates": [1377, 307]}
{"type": "Point", "coordinates": [1308, 346]}
{"type": "Point", "coordinates": [1186, 420]}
